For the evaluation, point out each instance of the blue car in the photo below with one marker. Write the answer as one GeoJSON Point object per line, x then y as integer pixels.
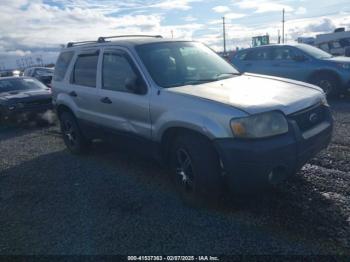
{"type": "Point", "coordinates": [300, 62]}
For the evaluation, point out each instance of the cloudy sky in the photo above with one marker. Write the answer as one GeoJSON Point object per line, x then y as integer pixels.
{"type": "Point", "coordinates": [39, 27]}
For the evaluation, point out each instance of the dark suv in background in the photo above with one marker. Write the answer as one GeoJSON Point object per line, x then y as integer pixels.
{"type": "Point", "coordinates": [300, 62]}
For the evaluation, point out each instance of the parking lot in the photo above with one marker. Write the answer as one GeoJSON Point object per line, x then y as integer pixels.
{"type": "Point", "coordinates": [114, 202]}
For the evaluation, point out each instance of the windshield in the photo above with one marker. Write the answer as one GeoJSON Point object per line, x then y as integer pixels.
{"type": "Point", "coordinates": [173, 64]}
{"type": "Point", "coordinates": [20, 84]}
{"type": "Point", "coordinates": [314, 52]}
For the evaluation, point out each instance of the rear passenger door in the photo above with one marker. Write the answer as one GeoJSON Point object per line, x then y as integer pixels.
{"type": "Point", "coordinates": [120, 108]}
{"type": "Point", "coordinates": [83, 83]}
{"type": "Point", "coordinates": [258, 61]}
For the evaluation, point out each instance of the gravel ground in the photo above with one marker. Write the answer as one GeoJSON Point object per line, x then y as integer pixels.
{"type": "Point", "coordinates": [111, 202]}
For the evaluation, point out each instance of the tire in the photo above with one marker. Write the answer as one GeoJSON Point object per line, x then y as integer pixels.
{"type": "Point", "coordinates": [72, 135]}
{"type": "Point", "coordinates": [196, 171]}
{"type": "Point", "coordinates": [327, 82]}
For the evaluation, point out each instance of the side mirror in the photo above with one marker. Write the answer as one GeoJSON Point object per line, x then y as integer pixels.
{"type": "Point", "coordinates": [299, 58]}
{"type": "Point", "coordinates": [135, 85]}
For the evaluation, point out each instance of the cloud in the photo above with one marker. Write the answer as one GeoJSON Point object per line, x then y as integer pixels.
{"type": "Point", "coordinates": [300, 11]}
{"type": "Point", "coordinates": [189, 18]}
{"type": "Point", "coordinates": [174, 4]}
{"type": "Point", "coordinates": [234, 15]}
{"type": "Point", "coordinates": [221, 9]}
{"type": "Point", "coordinates": [263, 6]}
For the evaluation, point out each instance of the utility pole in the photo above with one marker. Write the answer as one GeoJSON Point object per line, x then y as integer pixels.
{"type": "Point", "coordinates": [283, 26]}
{"type": "Point", "coordinates": [224, 33]}
{"type": "Point", "coordinates": [278, 37]}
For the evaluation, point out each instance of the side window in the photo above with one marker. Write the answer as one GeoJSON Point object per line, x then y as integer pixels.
{"type": "Point", "coordinates": [324, 47]}
{"type": "Point", "coordinates": [241, 55]}
{"type": "Point", "coordinates": [283, 53]}
{"type": "Point", "coordinates": [117, 71]}
{"type": "Point", "coordinates": [62, 65]}
{"type": "Point", "coordinates": [85, 70]}
{"type": "Point", "coordinates": [261, 54]}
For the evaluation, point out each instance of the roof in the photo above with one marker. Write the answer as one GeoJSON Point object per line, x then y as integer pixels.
{"type": "Point", "coordinates": [272, 45]}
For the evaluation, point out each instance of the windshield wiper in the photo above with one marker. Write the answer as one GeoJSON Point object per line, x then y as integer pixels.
{"type": "Point", "coordinates": [199, 81]}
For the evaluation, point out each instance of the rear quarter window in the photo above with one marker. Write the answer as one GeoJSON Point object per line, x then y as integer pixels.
{"type": "Point", "coordinates": [62, 64]}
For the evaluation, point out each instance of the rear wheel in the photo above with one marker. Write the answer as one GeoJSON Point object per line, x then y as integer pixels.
{"type": "Point", "coordinates": [72, 136]}
{"type": "Point", "coordinates": [327, 82]}
{"type": "Point", "coordinates": [196, 169]}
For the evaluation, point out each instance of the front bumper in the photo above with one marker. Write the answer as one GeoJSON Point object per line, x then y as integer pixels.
{"type": "Point", "coordinates": [25, 113]}
{"type": "Point", "coordinates": [259, 162]}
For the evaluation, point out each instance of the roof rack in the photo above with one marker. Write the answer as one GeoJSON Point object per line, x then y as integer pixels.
{"type": "Point", "coordinates": [71, 44]}
{"type": "Point", "coordinates": [102, 39]}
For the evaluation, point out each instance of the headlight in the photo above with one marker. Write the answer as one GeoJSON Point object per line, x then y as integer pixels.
{"type": "Point", "coordinates": [260, 125]}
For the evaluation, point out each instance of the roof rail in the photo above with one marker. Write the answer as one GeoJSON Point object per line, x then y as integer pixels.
{"type": "Point", "coordinates": [71, 44]}
{"type": "Point", "coordinates": [102, 39]}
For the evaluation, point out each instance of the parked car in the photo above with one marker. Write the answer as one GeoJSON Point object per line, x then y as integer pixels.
{"type": "Point", "coordinates": [191, 109]}
{"type": "Point", "coordinates": [300, 62]}
{"type": "Point", "coordinates": [43, 74]}
{"type": "Point", "coordinates": [23, 98]}
{"type": "Point", "coordinates": [7, 73]}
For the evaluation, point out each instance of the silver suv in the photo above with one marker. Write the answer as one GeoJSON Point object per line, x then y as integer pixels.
{"type": "Point", "coordinates": [211, 124]}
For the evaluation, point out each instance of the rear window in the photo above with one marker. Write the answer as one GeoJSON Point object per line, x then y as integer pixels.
{"type": "Point", "coordinates": [62, 64]}
{"type": "Point", "coordinates": [85, 70]}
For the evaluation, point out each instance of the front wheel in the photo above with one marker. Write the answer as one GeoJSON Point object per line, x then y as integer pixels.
{"type": "Point", "coordinates": [196, 169]}
{"type": "Point", "coordinates": [327, 82]}
{"type": "Point", "coordinates": [72, 136]}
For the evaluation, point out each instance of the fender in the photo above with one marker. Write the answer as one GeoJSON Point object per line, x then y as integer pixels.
{"type": "Point", "coordinates": [194, 121]}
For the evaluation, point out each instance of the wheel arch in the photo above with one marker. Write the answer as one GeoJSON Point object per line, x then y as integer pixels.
{"type": "Point", "coordinates": [63, 108]}
{"type": "Point", "coordinates": [171, 133]}
{"type": "Point", "coordinates": [318, 72]}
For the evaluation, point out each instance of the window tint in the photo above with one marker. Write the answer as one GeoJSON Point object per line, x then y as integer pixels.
{"type": "Point", "coordinates": [259, 54]}
{"type": "Point", "coordinates": [283, 53]}
{"type": "Point", "coordinates": [324, 47]}
{"type": "Point", "coordinates": [85, 70]}
{"type": "Point", "coordinates": [117, 71]}
{"type": "Point", "coordinates": [241, 55]}
{"type": "Point", "coordinates": [62, 65]}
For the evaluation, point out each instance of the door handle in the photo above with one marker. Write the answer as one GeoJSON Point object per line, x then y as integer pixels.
{"type": "Point", "coordinates": [106, 100]}
{"type": "Point", "coordinates": [73, 94]}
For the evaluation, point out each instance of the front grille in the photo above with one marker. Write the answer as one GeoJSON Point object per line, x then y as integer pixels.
{"type": "Point", "coordinates": [310, 117]}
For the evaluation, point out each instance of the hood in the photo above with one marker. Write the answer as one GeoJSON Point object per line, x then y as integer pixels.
{"type": "Point", "coordinates": [257, 93]}
{"type": "Point", "coordinates": [25, 95]}
{"type": "Point", "coordinates": [339, 59]}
